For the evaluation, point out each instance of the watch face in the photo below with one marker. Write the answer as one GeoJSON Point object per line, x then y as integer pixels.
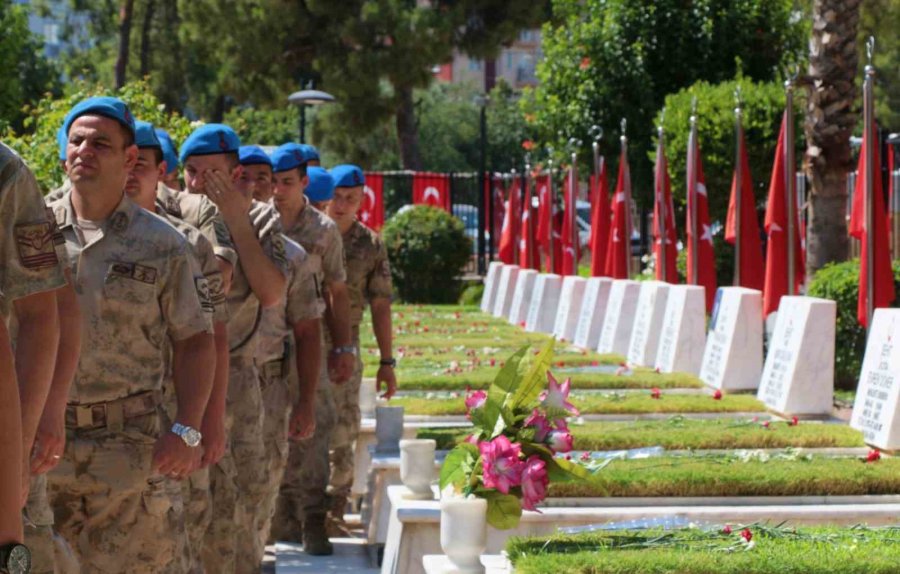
{"type": "Point", "coordinates": [192, 437]}
{"type": "Point", "coordinates": [19, 560]}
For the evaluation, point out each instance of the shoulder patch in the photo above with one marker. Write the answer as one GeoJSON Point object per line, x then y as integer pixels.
{"type": "Point", "coordinates": [35, 245]}
{"type": "Point", "coordinates": [173, 208]}
{"type": "Point", "coordinates": [203, 294]}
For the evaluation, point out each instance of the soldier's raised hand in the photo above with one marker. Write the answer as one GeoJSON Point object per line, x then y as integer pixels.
{"type": "Point", "coordinates": [221, 190]}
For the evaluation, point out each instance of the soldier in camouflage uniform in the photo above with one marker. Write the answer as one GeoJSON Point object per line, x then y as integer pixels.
{"type": "Point", "coordinates": [302, 506]}
{"type": "Point", "coordinates": [369, 281]}
{"type": "Point", "coordinates": [211, 167]}
{"type": "Point", "coordinates": [138, 284]}
{"type": "Point", "coordinates": [170, 156]}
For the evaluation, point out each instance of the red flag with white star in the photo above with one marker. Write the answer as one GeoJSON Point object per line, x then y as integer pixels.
{"type": "Point", "coordinates": [528, 255]}
{"type": "Point", "coordinates": [570, 240]}
{"type": "Point", "coordinates": [751, 263]}
{"type": "Point", "coordinates": [432, 189]}
{"type": "Point", "coordinates": [371, 212]}
{"type": "Point", "coordinates": [664, 238]}
{"type": "Point", "coordinates": [600, 220]}
{"type": "Point", "coordinates": [618, 248]}
{"type": "Point", "coordinates": [510, 232]}
{"type": "Point", "coordinates": [701, 266]}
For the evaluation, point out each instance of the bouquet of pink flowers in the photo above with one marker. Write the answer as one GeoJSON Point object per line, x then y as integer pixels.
{"type": "Point", "coordinates": [520, 425]}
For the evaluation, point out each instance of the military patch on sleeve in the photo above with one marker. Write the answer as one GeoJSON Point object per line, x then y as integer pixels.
{"type": "Point", "coordinates": [216, 288]}
{"type": "Point", "coordinates": [135, 271]}
{"type": "Point", "coordinates": [35, 245]}
{"type": "Point", "coordinates": [203, 293]}
{"type": "Point", "coordinates": [223, 237]}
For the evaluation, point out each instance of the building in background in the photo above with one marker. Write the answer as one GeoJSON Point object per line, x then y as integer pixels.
{"type": "Point", "coordinates": [516, 64]}
{"type": "Point", "coordinates": [60, 26]}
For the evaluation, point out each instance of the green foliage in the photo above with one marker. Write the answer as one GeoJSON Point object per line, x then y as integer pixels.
{"type": "Point", "coordinates": [723, 253]}
{"type": "Point", "coordinates": [265, 127]}
{"type": "Point", "coordinates": [428, 249]}
{"type": "Point", "coordinates": [37, 143]}
{"type": "Point", "coordinates": [879, 18]}
{"type": "Point", "coordinates": [472, 294]}
{"type": "Point", "coordinates": [840, 283]}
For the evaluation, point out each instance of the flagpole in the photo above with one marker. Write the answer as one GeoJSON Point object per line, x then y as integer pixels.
{"type": "Point", "coordinates": [626, 190]}
{"type": "Point", "coordinates": [739, 185]}
{"type": "Point", "coordinates": [552, 210]}
{"type": "Point", "coordinates": [661, 225]}
{"type": "Point", "coordinates": [789, 184]}
{"type": "Point", "coordinates": [573, 202]}
{"type": "Point", "coordinates": [529, 257]}
{"type": "Point", "coordinates": [692, 194]}
{"type": "Point", "coordinates": [514, 222]}
{"type": "Point", "coordinates": [871, 142]}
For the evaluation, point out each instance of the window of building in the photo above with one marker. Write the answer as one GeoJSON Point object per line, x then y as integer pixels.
{"type": "Point", "coordinates": [51, 33]}
{"type": "Point", "coordinates": [474, 65]}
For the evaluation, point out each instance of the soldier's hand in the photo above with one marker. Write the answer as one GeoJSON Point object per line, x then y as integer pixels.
{"type": "Point", "coordinates": [221, 190]}
{"type": "Point", "coordinates": [303, 420]}
{"type": "Point", "coordinates": [173, 458]}
{"type": "Point", "coordinates": [387, 376]}
{"type": "Point", "coordinates": [49, 442]}
{"type": "Point", "coordinates": [340, 367]}
{"type": "Point", "coordinates": [214, 440]}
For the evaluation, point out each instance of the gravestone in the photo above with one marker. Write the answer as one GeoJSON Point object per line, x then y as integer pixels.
{"type": "Point", "coordinates": [732, 359]}
{"type": "Point", "coordinates": [616, 333]}
{"type": "Point", "coordinates": [798, 376]}
{"type": "Point", "coordinates": [544, 303]}
{"type": "Point", "coordinates": [518, 310]}
{"type": "Point", "coordinates": [593, 310]}
{"type": "Point", "coordinates": [506, 286]}
{"type": "Point", "coordinates": [683, 334]}
{"type": "Point", "coordinates": [648, 320]}
{"type": "Point", "coordinates": [569, 307]}
{"type": "Point", "coordinates": [490, 286]}
{"type": "Point", "coordinates": [876, 411]}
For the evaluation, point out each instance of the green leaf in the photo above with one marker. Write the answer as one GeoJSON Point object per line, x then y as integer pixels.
{"type": "Point", "coordinates": [534, 380]}
{"type": "Point", "coordinates": [505, 383]}
{"type": "Point", "coordinates": [558, 469]}
{"type": "Point", "coordinates": [503, 511]}
{"type": "Point", "coordinates": [458, 466]}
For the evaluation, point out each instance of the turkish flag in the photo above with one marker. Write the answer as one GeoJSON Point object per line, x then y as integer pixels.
{"type": "Point", "coordinates": [751, 264]}
{"type": "Point", "coordinates": [891, 190]}
{"type": "Point", "coordinates": [557, 243]}
{"type": "Point", "coordinates": [510, 231]}
{"type": "Point", "coordinates": [545, 209]}
{"type": "Point", "coordinates": [432, 189]}
{"type": "Point", "coordinates": [618, 248]}
{"type": "Point", "coordinates": [371, 212]}
{"type": "Point", "coordinates": [664, 238]}
{"type": "Point", "coordinates": [600, 216]}
{"type": "Point", "coordinates": [883, 274]}
{"type": "Point", "coordinates": [570, 241]}
{"type": "Point", "coordinates": [528, 255]}
{"type": "Point", "coordinates": [776, 226]}
{"type": "Point", "coordinates": [698, 207]}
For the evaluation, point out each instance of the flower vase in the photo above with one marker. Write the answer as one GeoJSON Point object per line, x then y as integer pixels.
{"type": "Point", "coordinates": [388, 429]}
{"type": "Point", "coordinates": [464, 533]}
{"type": "Point", "coordinates": [417, 468]}
{"type": "Point", "coordinates": [368, 397]}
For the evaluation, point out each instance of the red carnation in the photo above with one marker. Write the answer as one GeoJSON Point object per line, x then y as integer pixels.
{"type": "Point", "coordinates": [727, 529]}
{"type": "Point", "coordinates": [873, 456]}
{"type": "Point", "coordinates": [655, 393]}
{"type": "Point", "coordinates": [717, 395]}
{"type": "Point", "coordinates": [794, 422]}
{"type": "Point", "coordinates": [746, 534]}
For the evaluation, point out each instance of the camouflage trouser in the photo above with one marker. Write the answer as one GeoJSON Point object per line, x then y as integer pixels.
{"type": "Point", "coordinates": [220, 537]}
{"type": "Point", "coordinates": [50, 554]}
{"type": "Point", "coordinates": [306, 475]}
{"type": "Point", "coordinates": [346, 429]}
{"type": "Point", "coordinates": [110, 506]}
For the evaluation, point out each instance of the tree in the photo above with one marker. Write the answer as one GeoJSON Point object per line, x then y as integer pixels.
{"type": "Point", "coordinates": [830, 120]}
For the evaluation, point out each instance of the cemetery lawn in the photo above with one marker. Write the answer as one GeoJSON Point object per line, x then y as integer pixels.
{"type": "Point", "coordinates": [604, 403]}
{"type": "Point", "coordinates": [752, 475]}
{"type": "Point", "coordinates": [679, 433]}
{"type": "Point", "coordinates": [781, 550]}
{"type": "Point", "coordinates": [451, 347]}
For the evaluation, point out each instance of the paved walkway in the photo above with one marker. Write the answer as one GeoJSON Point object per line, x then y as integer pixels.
{"type": "Point", "coordinates": [349, 557]}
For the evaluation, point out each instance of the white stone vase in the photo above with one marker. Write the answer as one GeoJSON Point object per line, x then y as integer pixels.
{"type": "Point", "coordinates": [464, 533]}
{"type": "Point", "coordinates": [417, 467]}
{"type": "Point", "coordinates": [388, 428]}
{"type": "Point", "coordinates": [368, 396]}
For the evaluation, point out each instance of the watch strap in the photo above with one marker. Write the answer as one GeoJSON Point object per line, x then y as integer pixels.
{"type": "Point", "coordinates": [392, 362]}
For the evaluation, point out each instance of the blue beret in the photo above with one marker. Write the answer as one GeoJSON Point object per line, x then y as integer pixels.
{"type": "Point", "coordinates": [347, 175]}
{"type": "Point", "coordinates": [168, 149]}
{"type": "Point", "coordinates": [210, 139]}
{"type": "Point", "coordinates": [288, 156]}
{"type": "Point", "coordinates": [253, 155]}
{"type": "Point", "coordinates": [321, 184]}
{"type": "Point", "coordinates": [144, 136]}
{"type": "Point", "coordinates": [309, 152]}
{"type": "Point", "coordinates": [62, 140]}
{"type": "Point", "coordinates": [105, 106]}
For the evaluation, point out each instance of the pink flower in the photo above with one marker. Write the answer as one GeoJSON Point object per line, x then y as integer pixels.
{"type": "Point", "coordinates": [655, 393]}
{"type": "Point", "coordinates": [556, 396]}
{"type": "Point", "coordinates": [475, 400]}
{"type": "Point", "coordinates": [472, 439]}
{"type": "Point", "coordinates": [746, 534]}
{"type": "Point", "coordinates": [534, 482]}
{"type": "Point", "coordinates": [727, 529]}
{"type": "Point", "coordinates": [794, 422]}
{"type": "Point", "coordinates": [502, 467]}
{"type": "Point", "coordinates": [585, 457]}
{"type": "Point", "coordinates": [717, 395]}
{"type": "Point", "coordinates": [542, 427]}
{"type": "Point", "coordinates": [560, 441]}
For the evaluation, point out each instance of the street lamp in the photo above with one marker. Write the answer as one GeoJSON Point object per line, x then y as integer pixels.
{"type": "Point", "coordinates": [305, 98]}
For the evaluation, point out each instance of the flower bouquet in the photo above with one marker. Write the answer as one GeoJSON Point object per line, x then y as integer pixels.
{"type": "Point", "coordinates": [519, 428]}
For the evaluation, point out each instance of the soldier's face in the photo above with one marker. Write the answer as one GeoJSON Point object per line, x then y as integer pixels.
{"type": "Point", "coordinates": [97, 157]}
{"type": "Point", "coordinates": [196, 167]}
{"type": "Point", "coordinates": [346, 203]}
{"type": "Point", "coordinates": [287, 188]}
{"type": "Point", "coordinates": [142, 181]}
{"type": "Point", "coordinates": [259, 177]}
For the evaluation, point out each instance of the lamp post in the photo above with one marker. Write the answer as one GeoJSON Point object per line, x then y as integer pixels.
{"type": "Point", "coordinates": [305, 98]}
{"type": "Point", "coordinates": [485, 241]}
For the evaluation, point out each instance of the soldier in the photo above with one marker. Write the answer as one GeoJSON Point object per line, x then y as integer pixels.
{"type": "Point", "coordinates": [170, 178]}
{"type": "Point", "coordinates": [302, 507]}
{"type": "Point", "coordinates": [256, 172]}
{"type": "Point", "coordinates": [311, 154]}
{"type": "Point", "coordinates": [319, 196]}
{"type": "Point", "coordinates": [211, 166]}
{"type": "Point", "coordinates": [369, 281]}
{"type": "Point", "coordinates": [137, 285]}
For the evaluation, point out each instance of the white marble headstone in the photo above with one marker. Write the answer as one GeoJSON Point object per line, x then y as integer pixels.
{"type": "Point", "coordinates": [490, 286]}
{"type": "Point", "coordinates": [798, 376]}
{"type": "Point", "coordinates": [506, 286]}
{"type": "Point", "coordinates": [648, 320]}
{"type": "Point", "coordinates": [683, 334]}
{"type": "Point", "coordinates": [518, 310]}
{"type": "Point", "coordinates": [544, 303]}
{"type": "Point", "coordinates": [732, 360]}
{"type": "Point", "coordinates": [876, 411]}
{"type": "Point", "coordinates": [593, 310]}
{"type": "Point", "coordinates": [616, 333]}
{"type": "Point", "coordinates": [569, 307]}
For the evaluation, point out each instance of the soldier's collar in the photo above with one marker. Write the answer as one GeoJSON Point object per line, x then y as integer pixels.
{"type": "Point", "coordinates": [117, 221]}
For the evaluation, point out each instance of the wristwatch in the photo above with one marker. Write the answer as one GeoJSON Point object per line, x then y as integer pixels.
{"type": "Point", "coordinates": [392, 362]}
{"type": "Point", "coordinates": [189, 435]}
{"type": "Point", "coordinates": [347, 349]}
{"type": "Point", "coordinates": [15, 559]}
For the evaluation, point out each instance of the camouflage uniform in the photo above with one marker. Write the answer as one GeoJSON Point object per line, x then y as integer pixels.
{"type": "Point", "coordinates": [29, 264]}
{"type": "Point", "coordinates": [368, 277]}
{"type": "Point", "coordinates": [278, 374]}
{"type": "Point", "coordinates": [230, 542]}
{"type": "Point", "coordinates": [137, 285]}
{"type": "Point", "coordinates": [306, 476]}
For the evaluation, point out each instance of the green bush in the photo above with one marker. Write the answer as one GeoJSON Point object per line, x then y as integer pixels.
{"type": "Point", "coordinates": [428, 249]}
{"type": "Point", "coordinates": [472, 294]}
{"type": "Point", "coordinates": [840, 283]}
